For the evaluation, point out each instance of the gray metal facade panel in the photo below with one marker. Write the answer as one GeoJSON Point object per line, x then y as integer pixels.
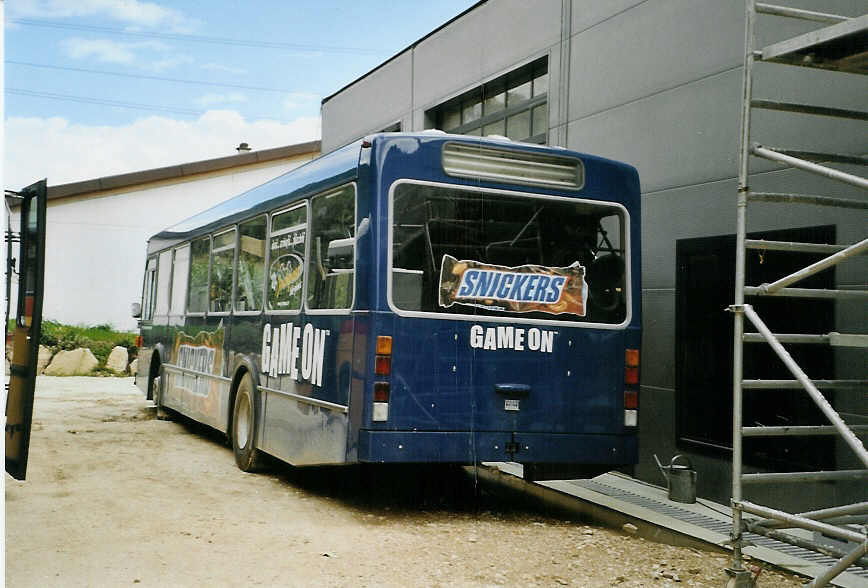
{"type": "Point", "coordinates": [656, 429]}
{"type": "Point", "coordinates": [586, 14]}
{"type": "Point", "coordinates": [689, 135]}
{"type": "Point", "coordinates": [681, 213]}
{"type": "Point", "coordinates": [486, 42]}
{"type": "Point", "coordinates": [369, 105]}
{"type": "Point", "coordinates": [681, 137]}
{"type": "Point", "coordinates": [650, 48]}
{"type": "Point", "coordinates": [658, 338]}
{"type": "Point", "coordinates": [709, 209]}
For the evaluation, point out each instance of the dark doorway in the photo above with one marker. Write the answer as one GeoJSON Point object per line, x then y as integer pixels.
{"type": "Point", "coordinates": [705, 283]}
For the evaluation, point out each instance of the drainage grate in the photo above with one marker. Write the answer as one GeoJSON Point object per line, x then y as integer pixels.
{"type": "Point", "coordinates": [711, 524]}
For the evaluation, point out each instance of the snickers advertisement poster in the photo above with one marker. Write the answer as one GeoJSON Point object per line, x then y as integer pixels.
{"type": "Point", "coordinates": [525, 288]}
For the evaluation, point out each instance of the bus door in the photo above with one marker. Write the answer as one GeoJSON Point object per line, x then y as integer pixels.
{"type": "Point", "coordinates": [28, 322]}
{"type": "Point", "coordinates": [307, 341]}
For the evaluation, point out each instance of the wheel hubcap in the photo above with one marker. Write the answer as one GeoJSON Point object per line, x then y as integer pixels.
{"type": "Point", "coordinates": [242, 423]}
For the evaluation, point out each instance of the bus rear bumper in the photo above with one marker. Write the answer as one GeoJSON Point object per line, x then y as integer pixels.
{"type": "Point", "coordinates": [467, 447]}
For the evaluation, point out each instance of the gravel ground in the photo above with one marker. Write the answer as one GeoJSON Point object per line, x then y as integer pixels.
{"type": "Point", "coordinates": [114, 497]}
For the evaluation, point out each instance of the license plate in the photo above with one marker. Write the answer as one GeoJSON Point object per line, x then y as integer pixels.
{"type": "Point", "coordinates": [510, 404]}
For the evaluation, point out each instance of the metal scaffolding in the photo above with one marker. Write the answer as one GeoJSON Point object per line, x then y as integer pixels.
{"type": "Point", "coordinates": [840, 45]}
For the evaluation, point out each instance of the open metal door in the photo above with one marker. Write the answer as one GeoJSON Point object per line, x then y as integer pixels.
{"type": "Point", "coordinates": [28, 321]}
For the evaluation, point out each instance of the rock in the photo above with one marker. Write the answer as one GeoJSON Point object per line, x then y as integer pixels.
{"type": "Point", "coordinates": [630, 528]}
{"type": "Point", "coordinates": [117, 359]}
{"type": "Point", "coordinates": [78, 362]}
{"type": "Point", "coordinates": [43, 359]}
{"type": "Point", "coordinates": [134, 367]}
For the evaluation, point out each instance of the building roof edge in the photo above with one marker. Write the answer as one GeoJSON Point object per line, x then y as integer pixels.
{"type": "Point", "coordinates": [404, 50]}
{"type": "Point", "coordinates": [180, 170]}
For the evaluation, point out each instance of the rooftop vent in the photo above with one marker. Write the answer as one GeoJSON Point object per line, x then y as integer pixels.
{"type": "Point", "coordinates": [243, 148]}
{"type": "Point", "coordinates": [512, 166]}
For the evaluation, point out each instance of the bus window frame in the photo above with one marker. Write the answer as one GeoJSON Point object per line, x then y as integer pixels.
{"type": "Point", "coordinates": [294, 206]}
{"type": "Point", "coordinates": [265, 259]}
{"type": "Point", "coordinates": [187, 311]}
{"type": "Point", "coordinates": [628, 251]}
{"type": "Point", "coordinates": [334, 311]}
{"type": "Point", "coordinates": [168, 308]}
{"type": "Point", "coordinates": [222, 231]}
{"type": "Point", "coordinates": [149, 294]}
{"type": "Point", "coordinates": [182, 312]}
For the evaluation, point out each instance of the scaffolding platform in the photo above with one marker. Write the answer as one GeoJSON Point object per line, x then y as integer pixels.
{"type": "Point", "coordinates": [839, 47]}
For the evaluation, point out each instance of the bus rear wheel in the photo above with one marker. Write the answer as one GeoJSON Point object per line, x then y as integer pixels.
{"type": "Point", "coordinates": [244, 424]}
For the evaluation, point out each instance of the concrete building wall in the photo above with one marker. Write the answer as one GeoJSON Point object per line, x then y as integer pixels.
{"type": "Point", "coordinates": [657, 84]}
{"type": "Point", "coordinates": [368, 107]}
{"type": "Point", "coordinates": [95, 243]}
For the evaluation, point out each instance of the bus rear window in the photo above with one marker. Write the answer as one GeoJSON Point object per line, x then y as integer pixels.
{"type": "Point", "coordinates": [462, 251]}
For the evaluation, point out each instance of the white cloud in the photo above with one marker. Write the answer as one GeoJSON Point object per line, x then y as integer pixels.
{"type": "Point", "coordinates": [162, 65]}
{"type": "Point", "coordinates": [127, 53]}
{"type": "Point", "coordinates": [65, 152]}
{"type": "Point", "coordinates": [224, 68]}
{"type": "Point", "coordinates": [130, 12]}
{"type": "Point", "coordinates": [108, 51]}
{"type": "Point", "coordinates": [212, 98]}
{"type": "Point", "coordinates": [299, 99]}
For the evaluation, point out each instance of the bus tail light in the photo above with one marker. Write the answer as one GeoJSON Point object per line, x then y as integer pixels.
{"type": "Point", "coordinates": [381, 402]}
{"type": "Point", "coordinates": [381, 392]}
{"type": "Point", "coordinates": [382, 367]}
{"type": "Point", "coordinates": [631, 390]}
{"type": "Point", "coordinates": [383, 362]}
{"type": "Point", "coordinates": [631, 367]}
{"type": "Point", "coordinates": [384, 345]}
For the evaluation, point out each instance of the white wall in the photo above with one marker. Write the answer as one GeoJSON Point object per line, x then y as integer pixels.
{"type": "Point", "coordinates": [95, 247]}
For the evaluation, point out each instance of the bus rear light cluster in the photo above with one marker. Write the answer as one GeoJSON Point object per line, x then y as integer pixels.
{"type": "Point", "coordinates": [382, 367]}
{"type": "Point", "coordinates": [631, 387]}
{"type": "Point", "coordinates": [381, 392]}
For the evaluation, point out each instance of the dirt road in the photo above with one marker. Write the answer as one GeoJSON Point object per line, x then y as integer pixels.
{"type": "Point", "coordinates": [115, 497]}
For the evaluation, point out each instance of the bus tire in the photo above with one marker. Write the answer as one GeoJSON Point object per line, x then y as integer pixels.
{"type": "Point", "coordinates": [153, 374]}
{"type": "Point", "coordinates": [157, 396]}
{"type": "Point", "coordinates": [244, 426]}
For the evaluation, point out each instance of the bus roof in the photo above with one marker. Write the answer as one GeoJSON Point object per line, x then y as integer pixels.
{"type": "Point", "coordinates": [333, 169]}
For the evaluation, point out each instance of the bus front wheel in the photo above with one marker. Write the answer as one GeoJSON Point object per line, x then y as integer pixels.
{"type": "Point", "coordinates": [247, 456]}
{"type": "Point", "coordinates": [157, 396]}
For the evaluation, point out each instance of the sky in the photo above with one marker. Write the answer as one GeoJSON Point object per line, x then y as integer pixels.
{"type": "Point", "coordinates": [100, 87]}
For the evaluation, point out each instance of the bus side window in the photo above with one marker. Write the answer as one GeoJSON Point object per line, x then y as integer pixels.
{"type": "Point", "coordinates": [331, 266]}
{"type": "Point", "coordinates": [164, 281]}
{"type": "Point", "coordinates": [286, 265]}
{"type": "Point", "coordinates": [198, 294]}
{"type": "Point", "coordinates": [180, 271]}
{"type": "Point", "coordinates": [149, 293]}
{"type": "Point", "coordinates": [222, 263]}
{"type": "Point", "coordinates": [251, 265]}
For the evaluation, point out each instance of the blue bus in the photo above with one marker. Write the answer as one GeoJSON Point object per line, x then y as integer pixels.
{"type": "Point", "coordinates": [408, 298]}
